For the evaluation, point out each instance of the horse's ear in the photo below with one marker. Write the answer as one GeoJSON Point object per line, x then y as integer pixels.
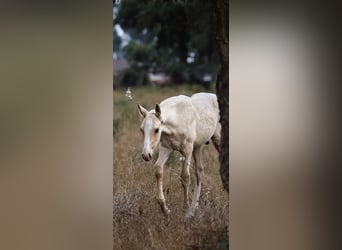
{"type": "Point", "coordinates": [158, 111]}
{"type": "Point", "coordinates": [142, 110]}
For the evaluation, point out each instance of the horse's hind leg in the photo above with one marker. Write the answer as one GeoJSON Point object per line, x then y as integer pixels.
{"type": "Point", "coordinates": [216, 138]}
{"type": "Point", "coordinates": [185, 175]}
{"type": "Point", "coordinates": [199, 176]}
{"type": "Point", "coordinates": [164, 154]}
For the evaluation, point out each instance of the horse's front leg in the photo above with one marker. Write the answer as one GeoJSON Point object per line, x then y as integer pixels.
{"type": "Point", "coordinates": [164, 154]}
{"type": "Point", "coordinates": [185, 174]}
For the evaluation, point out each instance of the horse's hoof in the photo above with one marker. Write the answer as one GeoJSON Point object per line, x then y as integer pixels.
{"type": "Point", "coordinates": [189, 215]}
{"type": "Point", "coordinates": [166, 211]}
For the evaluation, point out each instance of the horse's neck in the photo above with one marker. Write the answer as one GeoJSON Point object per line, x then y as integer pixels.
{"type": "Point", "coordinates": [170, 138]}
{"type": "Point", "coordinates": [169, 122]}
{"type": "Point", "coordinates": [172, 127]}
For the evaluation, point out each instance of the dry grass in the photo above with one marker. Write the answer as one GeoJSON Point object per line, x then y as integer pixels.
{"type": "Point", "coordinates": [138, 220]}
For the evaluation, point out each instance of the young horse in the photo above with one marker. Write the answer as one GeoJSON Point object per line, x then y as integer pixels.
{"type": "Point", "coordinates": [183, 124]}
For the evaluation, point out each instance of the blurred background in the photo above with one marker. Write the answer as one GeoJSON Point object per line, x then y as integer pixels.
{"type": "Point", "coordinates": [163, 44]}
{"type": "Point", "coordinates": [58, 129]}
{"type": "Point", "coordinates": [56, 125]}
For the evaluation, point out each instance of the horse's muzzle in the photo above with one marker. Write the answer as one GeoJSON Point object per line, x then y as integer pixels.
{"type": "Point", "coordinates": [147, 157]}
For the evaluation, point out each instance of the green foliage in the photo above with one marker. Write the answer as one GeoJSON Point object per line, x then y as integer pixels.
{"type": "Point", "coordinates": [140, 55]}
{"type": "Point", "coordinates": [133, 77]}
{"type": "Point", "coordinates": [164, 33]}
{"type": "Point", "coordinates": [116, 41]}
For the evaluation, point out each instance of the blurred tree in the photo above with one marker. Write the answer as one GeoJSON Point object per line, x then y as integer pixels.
{"type": "Point", "coordinates": [221, 35]}
{"type": "Point", "coordinates": [180, 33]}
{"type": "Point", "coordinates": [140, 55]}
{"type": "Point", "coordinates": [116, 42]}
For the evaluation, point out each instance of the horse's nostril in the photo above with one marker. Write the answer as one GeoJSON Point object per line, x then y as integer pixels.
{"type": "Point", "coordinates": [146, 157]}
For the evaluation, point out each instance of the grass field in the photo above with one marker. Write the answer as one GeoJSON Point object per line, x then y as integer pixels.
{"type": "Point", "coordinates": [137, 218]}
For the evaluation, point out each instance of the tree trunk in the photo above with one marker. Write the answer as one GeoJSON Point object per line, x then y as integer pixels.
{"type": "Point", "coordinates": [220, 34]}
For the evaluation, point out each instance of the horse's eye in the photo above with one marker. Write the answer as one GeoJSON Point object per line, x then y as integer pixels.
{"type": "Point", "coordinates": [157, 130]}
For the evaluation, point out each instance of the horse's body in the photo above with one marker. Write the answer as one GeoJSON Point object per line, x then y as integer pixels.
{"type": "Point", "coordinates": [183, 124]}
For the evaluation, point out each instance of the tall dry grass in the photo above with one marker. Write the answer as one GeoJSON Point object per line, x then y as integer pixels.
{"type": "Point", "coordinates": [137, 218]}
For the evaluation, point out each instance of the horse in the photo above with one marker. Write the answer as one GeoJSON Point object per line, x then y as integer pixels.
{"type": "Point", "coordinates": [184, 124]}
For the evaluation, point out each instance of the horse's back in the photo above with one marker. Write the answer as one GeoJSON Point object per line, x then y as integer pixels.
{"type": "Point", "coordinates": [175, 100]}
{"type": "Point", "coordinates": [179, 111]}
{"type": "Point", "coordinates": [206, 105]}
{"type": "Point", "coordinates": [197, 116]}
{"type": "Point", "coordinates": [208, 111]}
{"type": "Point", "coordinates": [177, 105]}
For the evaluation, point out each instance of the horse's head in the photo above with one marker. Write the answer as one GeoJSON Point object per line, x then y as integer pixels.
{"type": "Point", "coordinates": [151, 129]}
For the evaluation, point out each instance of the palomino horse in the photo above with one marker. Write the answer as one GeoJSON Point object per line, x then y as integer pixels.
{"type": "Point", "coordinates": [183, 124]}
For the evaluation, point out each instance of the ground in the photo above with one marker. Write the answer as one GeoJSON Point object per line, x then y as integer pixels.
{"type": "Point", "coordinates": [137, 219]}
